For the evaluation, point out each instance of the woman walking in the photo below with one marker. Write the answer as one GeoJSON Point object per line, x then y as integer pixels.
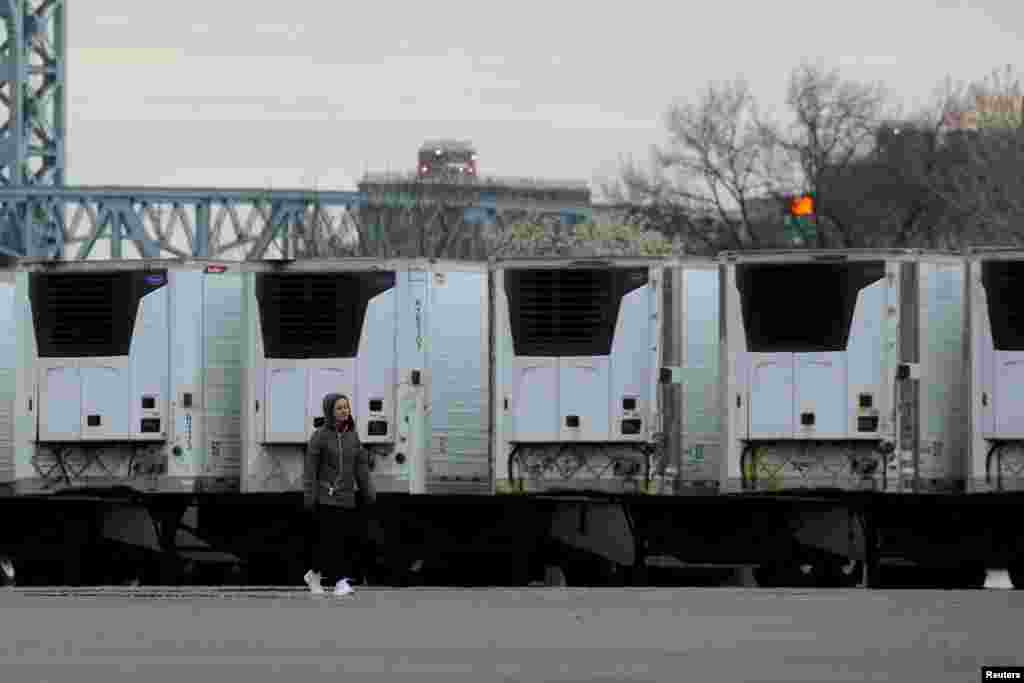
{"type": "Point", "coordinates": [335, 465]}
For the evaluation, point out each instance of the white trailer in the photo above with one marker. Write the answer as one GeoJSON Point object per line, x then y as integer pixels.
{"type": "Point", "coordinates": [996, 369]}
{"type": "Point", "coordinates": [405, 340]}
{"type": "Point", "coordinates": [124, 373]}
{"type": "Point", "coordinates": [577, 347]}
{"type": "Point", "coordinates": [844, 369]}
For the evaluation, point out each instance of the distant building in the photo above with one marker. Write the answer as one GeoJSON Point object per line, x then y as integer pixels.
{"type": "Point", "coordinates": [447, 172]}
{"type": "Point", "coordinates": [446, 159]}
{"type": "Point", "coordinates": [990, 111]}
{"type": "Point", "coordinates": [412, 206]}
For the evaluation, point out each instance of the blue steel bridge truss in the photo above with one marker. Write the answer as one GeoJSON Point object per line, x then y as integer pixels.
{"type": "Point", "coordinates": [71, 222]}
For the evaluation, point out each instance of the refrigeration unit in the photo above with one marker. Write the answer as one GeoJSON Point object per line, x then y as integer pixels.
{"type": "Point", "coordinates": [404, 340]}
{"type": "Point", "coordinates": [837, 368]}
{"type": "Point", "coordinates": [577, 350]}
{"type": "Point", "coordinates": [126, 372]}
{"type": "Point", "coordinates": [996, 369]}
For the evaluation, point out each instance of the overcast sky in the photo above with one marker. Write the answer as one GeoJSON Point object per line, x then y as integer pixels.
{"type": "Point", "coordinates": [290, 94]}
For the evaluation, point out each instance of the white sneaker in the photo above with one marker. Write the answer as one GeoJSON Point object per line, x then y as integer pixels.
{"type": "Point", "coordinates": [312, 580]}
{"type": "Point", "coordinates": [342, 588]}
{"type": "Point", "coordinates": [8, 572]}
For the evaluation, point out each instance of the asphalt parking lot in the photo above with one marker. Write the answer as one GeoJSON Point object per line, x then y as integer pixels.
{"type": "Point", "coordinates": [726, 634]}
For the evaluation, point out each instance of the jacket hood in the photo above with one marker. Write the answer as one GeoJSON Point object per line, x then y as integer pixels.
{"type": "Point", "coordinates": [329, 401]}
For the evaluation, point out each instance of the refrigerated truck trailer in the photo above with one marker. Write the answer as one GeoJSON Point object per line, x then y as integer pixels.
{"type": "Point", "coordinates": [996, 338]}
{"type": "Point", "coordinates": [405, 340]}
{"type": "Point", "coordinates": [588, 420]}
{"type": "Point", "coordinates": [845, 370]}
{"type": "Point", "coordinates": [121, 372]}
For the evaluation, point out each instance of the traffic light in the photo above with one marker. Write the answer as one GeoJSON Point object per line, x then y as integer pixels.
{"type": "Point", "coordinates": [799, 219]}
{"type": "Point", "coordinates": [801, 206]}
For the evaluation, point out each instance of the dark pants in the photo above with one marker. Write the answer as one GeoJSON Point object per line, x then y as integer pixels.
{"type": "Point", "coordinates": [337, 544]}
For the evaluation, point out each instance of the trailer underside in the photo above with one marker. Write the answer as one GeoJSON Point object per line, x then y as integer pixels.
{"type": "Point", "coordinates": [119, 536]}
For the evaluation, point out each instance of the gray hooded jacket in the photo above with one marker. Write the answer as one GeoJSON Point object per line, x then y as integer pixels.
{"type": "Point", "coordinates": [335, 463]}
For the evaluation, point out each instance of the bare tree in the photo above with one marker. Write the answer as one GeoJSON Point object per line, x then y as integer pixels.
{"type": "Point", "coordinates": [982, 179]}
{"type": "Point", "coordinates": [883, 200]}
{"type": "Point", "coordinates": [882, 182]}
{"type": "Point", "coordinates": [722, 180]}
{"type": "Point", "coordinates": [543, 236]}
{"type": "Point", "coordinates": [834, 127]}
{"type": "Point", "coordinates": [702, 184]}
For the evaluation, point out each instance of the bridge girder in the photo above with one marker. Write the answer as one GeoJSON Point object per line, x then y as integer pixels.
{"type": "Point", "coordinates": [235, 224]}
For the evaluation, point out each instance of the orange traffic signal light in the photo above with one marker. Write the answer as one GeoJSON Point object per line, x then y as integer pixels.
{"type": "Point", "coordinates": [801, 206]}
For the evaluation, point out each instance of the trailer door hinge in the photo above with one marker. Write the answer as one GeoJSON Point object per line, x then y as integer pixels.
{"type": "Point", "coordinates": [670, 375]}
{"type": "Point", "coordinates": [908, 371]}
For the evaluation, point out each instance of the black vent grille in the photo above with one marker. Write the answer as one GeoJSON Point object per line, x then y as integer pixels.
{"type": "Point", "coordinates": [316, 315]}
{"type": "Point", "coordinates": [567, 312]}
{"type": "Point", "coordinates": [80, 315]}
{"type": "Point", "coordinates": [84, 308]}
{"type": "Point", "coordinates": [1003, 282]}
{"type": "Point", "coordinates": [802, 307]}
